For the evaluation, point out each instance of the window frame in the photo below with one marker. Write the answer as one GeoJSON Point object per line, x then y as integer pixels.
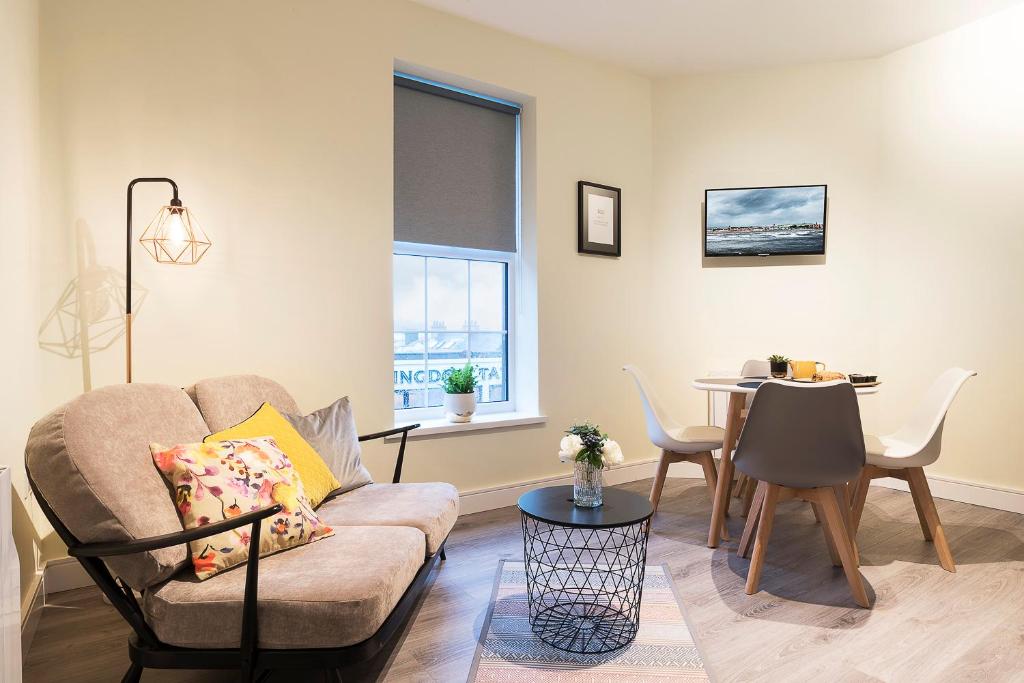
{"type": "Point", "coordinates": [511, 261]}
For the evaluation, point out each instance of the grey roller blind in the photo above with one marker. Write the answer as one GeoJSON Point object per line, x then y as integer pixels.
{"type": "Point", "coordinates": [455, 168]}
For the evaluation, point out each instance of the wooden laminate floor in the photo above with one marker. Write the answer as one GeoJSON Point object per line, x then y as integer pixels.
{"type": "Point", "coordinates": [926, 625]}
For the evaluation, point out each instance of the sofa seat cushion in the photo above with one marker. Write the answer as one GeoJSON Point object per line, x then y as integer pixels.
{"type": "Point", "coordinates": [333, 593]}
{"type": "Point", "coordinates": [432, 508]}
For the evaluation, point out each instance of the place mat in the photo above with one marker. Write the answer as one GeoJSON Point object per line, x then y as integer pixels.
{"type": "Point", "coordinates": [509, 652]}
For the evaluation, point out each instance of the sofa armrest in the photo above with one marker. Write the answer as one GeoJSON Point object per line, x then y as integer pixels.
{"type": "Point", "coordinates": [404, 431]}
{"type": "Point", "coordinates": [89, 552]}
{"type": "Point", "coordinates": [166, 540]}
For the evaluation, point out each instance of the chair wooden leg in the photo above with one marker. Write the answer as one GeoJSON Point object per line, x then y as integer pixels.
{"type": "Point", "coordinates": [921, 518]}
{"type": "Point", "coordinates": [926, 507]}
{"type": "Point", "coordinates": [764, 532]}
{"type": "Point", "coordinates": [832, 551]}
{"type": "Point", "coordinates": [741, 483]}
{"type": "Point", "coordinates": [753, 516]}
{"type": "Point", "coordinates": [843, 495]}
{"type": "Point", "coordinates": [817, 513]}
{"type": "Point", "coordinates": [659, 479]}
{"type": "Point", "coordinates": [840, 535]}
{"type": "Point", "coordinates": [748, 495]}
{"type": "Point", "coordinates": [860, 495]}
{"type": "Point", "coordinates": [707, 461]}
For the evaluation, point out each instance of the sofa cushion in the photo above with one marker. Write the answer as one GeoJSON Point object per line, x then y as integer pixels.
{"type": "Point", "coordinates": [226, 401]}
{"type": "Point", "coordinates": [432, 508]}
{"type": "Point", "coordinates": [216, 481]}
{"type": "Point", "coordinates": [317, 478]}
{"type": "Point", "coordinates": [332, 593]}
{"type": "Point", "coordinates": [331, 431]}
{"type": "Point", "coordinates": [91, 462]}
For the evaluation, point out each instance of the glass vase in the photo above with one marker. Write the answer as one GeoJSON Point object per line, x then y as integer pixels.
{"type": "Point", "coordinates": [586, 488]}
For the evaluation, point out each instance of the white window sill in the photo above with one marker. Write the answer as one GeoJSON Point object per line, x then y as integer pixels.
{"type": "Point", "coordinates": [480, 422]}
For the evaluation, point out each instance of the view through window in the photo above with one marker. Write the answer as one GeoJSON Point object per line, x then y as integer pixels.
{"type": "Point", "coordinates": [447, 311]}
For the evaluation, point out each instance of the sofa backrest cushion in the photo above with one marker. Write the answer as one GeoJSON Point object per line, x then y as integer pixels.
{"type": "Point", "coordinates": [90, 461]}
{"type": "Point", "coordinates": [226, 401]}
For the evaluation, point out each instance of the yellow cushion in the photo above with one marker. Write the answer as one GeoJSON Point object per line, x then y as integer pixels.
{"type": "Point", "coordinates": [317, 478]}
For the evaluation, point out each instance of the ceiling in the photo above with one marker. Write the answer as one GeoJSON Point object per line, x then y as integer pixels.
{"type": "Point", "coordinates": [668, 37]}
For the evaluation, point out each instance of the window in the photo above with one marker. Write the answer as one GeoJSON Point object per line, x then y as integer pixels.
{"type": "Point", "coordinates": [455, 254]}
{"type": "Point", "coordinates": [451, 308]}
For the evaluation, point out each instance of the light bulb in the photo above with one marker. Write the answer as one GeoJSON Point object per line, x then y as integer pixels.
{"type": "Point", "coordinates": [176, 236]}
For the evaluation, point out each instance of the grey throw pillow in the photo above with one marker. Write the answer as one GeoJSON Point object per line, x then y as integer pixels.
{"type": "Point", "coordinates": [331, 431]}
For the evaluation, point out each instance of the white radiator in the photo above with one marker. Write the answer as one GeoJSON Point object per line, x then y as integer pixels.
{"type": "Point", "coordinates": [10, 592]}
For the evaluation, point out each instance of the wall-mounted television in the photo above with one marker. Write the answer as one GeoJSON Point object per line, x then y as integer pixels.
{"type": "Point", "coordinates": [765, 221]}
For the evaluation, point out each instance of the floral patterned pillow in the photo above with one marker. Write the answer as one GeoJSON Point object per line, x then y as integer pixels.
{"type": "Point", "coordinates": [223, 479]}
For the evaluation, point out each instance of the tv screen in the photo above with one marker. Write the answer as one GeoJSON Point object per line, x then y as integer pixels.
{"type": "Point", "coordinates": [764, 221]}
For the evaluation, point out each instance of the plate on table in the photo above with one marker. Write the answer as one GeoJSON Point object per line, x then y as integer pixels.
{"type": "Point", "coordinates": [865, 384]}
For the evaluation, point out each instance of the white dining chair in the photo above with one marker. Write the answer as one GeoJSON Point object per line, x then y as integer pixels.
{"type": "Point", "coordinates": [906, 452]}
{"type": "Point", "coordinates": [756, 368]}
{"type": "Point", "coordinates": [677, 443]}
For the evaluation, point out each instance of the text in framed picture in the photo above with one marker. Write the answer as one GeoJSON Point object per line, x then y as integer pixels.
{"type": "Point", "coordinates": [600, 225]}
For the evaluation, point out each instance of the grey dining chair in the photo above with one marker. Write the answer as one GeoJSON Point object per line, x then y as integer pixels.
{"type": "Point", "coordinates": [804, 442]}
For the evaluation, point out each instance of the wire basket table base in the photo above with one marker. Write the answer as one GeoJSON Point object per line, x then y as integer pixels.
{"type": "Point", "coordinates": [584, 585]}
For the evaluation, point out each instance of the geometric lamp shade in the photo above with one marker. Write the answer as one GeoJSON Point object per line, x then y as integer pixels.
{"type": "Point", "coordinates": [174, 236]}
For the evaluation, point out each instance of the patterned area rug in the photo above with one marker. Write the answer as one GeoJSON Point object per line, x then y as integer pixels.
{"type": "Point", "coordinates": [509, 652]}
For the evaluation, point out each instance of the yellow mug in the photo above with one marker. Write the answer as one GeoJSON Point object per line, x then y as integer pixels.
{"type": "Point", "coordinates": [805, 369]}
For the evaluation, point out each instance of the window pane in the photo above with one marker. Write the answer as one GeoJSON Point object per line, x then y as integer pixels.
{"type": "Point", "coordinates": [409, 288]}
{"type": "Point", "coordinates": [410, 372]}
{"type": "Point", "coordinates": [447, 294]}
{"type": "Point", "coordinates": [444, 352]}
{"type": "Point", "coordinates": [489, 353]}
{"type": "Point", "coordinates": [487, 296]}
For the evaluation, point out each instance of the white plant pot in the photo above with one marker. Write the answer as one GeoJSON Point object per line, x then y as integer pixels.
{"type": "Point", "coordinates": [459, 407]}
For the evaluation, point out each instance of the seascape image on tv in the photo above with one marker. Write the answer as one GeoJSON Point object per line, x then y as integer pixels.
{"type": "Point", "coordinates": [765, 221]}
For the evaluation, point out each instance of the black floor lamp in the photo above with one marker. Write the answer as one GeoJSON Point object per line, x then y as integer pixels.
{"type": "Point", "coordinates": [173, 236]}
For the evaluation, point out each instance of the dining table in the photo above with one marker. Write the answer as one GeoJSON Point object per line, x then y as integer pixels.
{"type": "Point", "coordinates": [738, 388]}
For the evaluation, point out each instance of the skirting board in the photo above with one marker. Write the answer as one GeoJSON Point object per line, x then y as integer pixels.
{"type": "Point", "coordinates": [975, 494]}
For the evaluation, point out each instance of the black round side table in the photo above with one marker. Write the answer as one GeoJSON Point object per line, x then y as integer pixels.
{"type": "Point", "coordinates": [585, 567]}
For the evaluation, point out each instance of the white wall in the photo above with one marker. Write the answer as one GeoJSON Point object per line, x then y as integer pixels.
{"type": "Point", "coordinates": [19, 228]}
{"type": "Point", "coordinates": [951, 239]}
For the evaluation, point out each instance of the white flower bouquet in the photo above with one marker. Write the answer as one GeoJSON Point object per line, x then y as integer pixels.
{"type": "Point", "coordinates": [585, 443]}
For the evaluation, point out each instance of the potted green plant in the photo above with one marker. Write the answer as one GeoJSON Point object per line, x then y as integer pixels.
{"type": "Point", "coordinates": [460, 394]}
{"type": "Point", "coordinates": [780, 365]}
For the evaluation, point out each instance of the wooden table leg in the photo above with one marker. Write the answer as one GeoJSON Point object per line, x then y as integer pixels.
{"type": "Point", "coordinates": [725, 471]}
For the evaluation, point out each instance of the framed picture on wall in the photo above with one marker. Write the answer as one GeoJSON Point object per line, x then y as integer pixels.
{"type": "Point", "coordinates": [599, 218]}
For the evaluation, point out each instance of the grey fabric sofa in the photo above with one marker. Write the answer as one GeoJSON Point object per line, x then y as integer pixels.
{"type": "Point", "coordinates": [322, 605]}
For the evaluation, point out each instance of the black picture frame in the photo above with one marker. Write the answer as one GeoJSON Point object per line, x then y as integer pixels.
{"type": "Point", "coordinates": [824, 223]}
{"type": "Point", "coordinates": [585, 190]}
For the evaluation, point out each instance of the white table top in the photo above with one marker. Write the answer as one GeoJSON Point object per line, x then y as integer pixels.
{"type": "Point", "coordinates": [731, 385]}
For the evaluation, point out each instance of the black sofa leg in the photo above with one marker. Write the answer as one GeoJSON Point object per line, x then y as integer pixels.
{"type": "Point", "coordinates": [133, 674]}
{"type": "Point", "coordinates": [441, 553]}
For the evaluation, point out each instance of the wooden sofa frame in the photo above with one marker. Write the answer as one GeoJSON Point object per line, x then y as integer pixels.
{"type": "Point", "coordinates": [146, 651]}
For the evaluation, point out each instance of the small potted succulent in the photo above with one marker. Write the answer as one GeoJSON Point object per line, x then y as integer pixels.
{"type": "Point", "coordinates": [590, 451]}
{"type": "Point", "coordinates": [460, 394]}
{"type": "Point", "coordinates": [780, 365]}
